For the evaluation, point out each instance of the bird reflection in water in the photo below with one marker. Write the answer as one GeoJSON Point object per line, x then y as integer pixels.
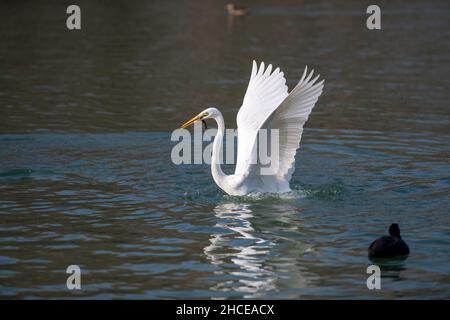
{"type": "Point", "coordinates": [238, 253]}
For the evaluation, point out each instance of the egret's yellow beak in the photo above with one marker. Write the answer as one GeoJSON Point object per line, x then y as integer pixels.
{"type": "Point", "coordinates": [196, 118]}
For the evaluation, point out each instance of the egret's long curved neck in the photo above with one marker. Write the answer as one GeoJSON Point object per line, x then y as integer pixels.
{"type": "Point", "coordinates": [217, 173]}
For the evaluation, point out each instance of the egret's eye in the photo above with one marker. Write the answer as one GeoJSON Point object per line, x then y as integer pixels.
{"type": "Point", "coordinates": [204, 115]}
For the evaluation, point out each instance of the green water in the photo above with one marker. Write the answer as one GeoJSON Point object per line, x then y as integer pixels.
{"type": "Point", "coordinates": [86, 176]}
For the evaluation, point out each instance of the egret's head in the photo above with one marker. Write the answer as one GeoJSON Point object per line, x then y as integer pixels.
{"type": "Point", "coordinates": [209, 113]}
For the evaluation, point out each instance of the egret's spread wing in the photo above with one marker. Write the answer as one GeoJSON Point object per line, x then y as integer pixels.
{"type": "Point", "coordinates": [289, 119]}
{"type": "Point", "coordinates": [266, 90]}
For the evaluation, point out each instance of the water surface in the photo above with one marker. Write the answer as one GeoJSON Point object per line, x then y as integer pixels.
{"type": "Point", "coordinates": [86, 176]}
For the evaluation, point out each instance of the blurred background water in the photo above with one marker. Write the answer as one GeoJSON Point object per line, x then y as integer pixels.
{"type": "Point", "coordinates": [85, 170]}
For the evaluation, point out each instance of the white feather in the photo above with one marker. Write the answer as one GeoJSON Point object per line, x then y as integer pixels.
{"type": "Point", "coordinates": [267, 105]}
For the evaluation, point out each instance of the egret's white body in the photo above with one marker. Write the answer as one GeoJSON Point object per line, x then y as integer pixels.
{"type": "Point", "coordinates": [267, 105]}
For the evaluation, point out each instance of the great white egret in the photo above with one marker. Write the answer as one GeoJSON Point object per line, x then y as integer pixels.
{"type": "Point", "coordinates": [267, 105]}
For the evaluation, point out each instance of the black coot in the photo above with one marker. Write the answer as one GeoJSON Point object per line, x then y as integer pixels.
{"type": "Point", "coordinates": [389, 246]}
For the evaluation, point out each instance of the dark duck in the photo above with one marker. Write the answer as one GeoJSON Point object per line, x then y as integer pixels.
{"type": "Point", "coordinates": [389, 246]}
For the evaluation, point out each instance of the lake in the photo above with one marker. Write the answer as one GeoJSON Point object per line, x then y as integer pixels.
{"type": "Point", "coordinates": [86, 176]}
